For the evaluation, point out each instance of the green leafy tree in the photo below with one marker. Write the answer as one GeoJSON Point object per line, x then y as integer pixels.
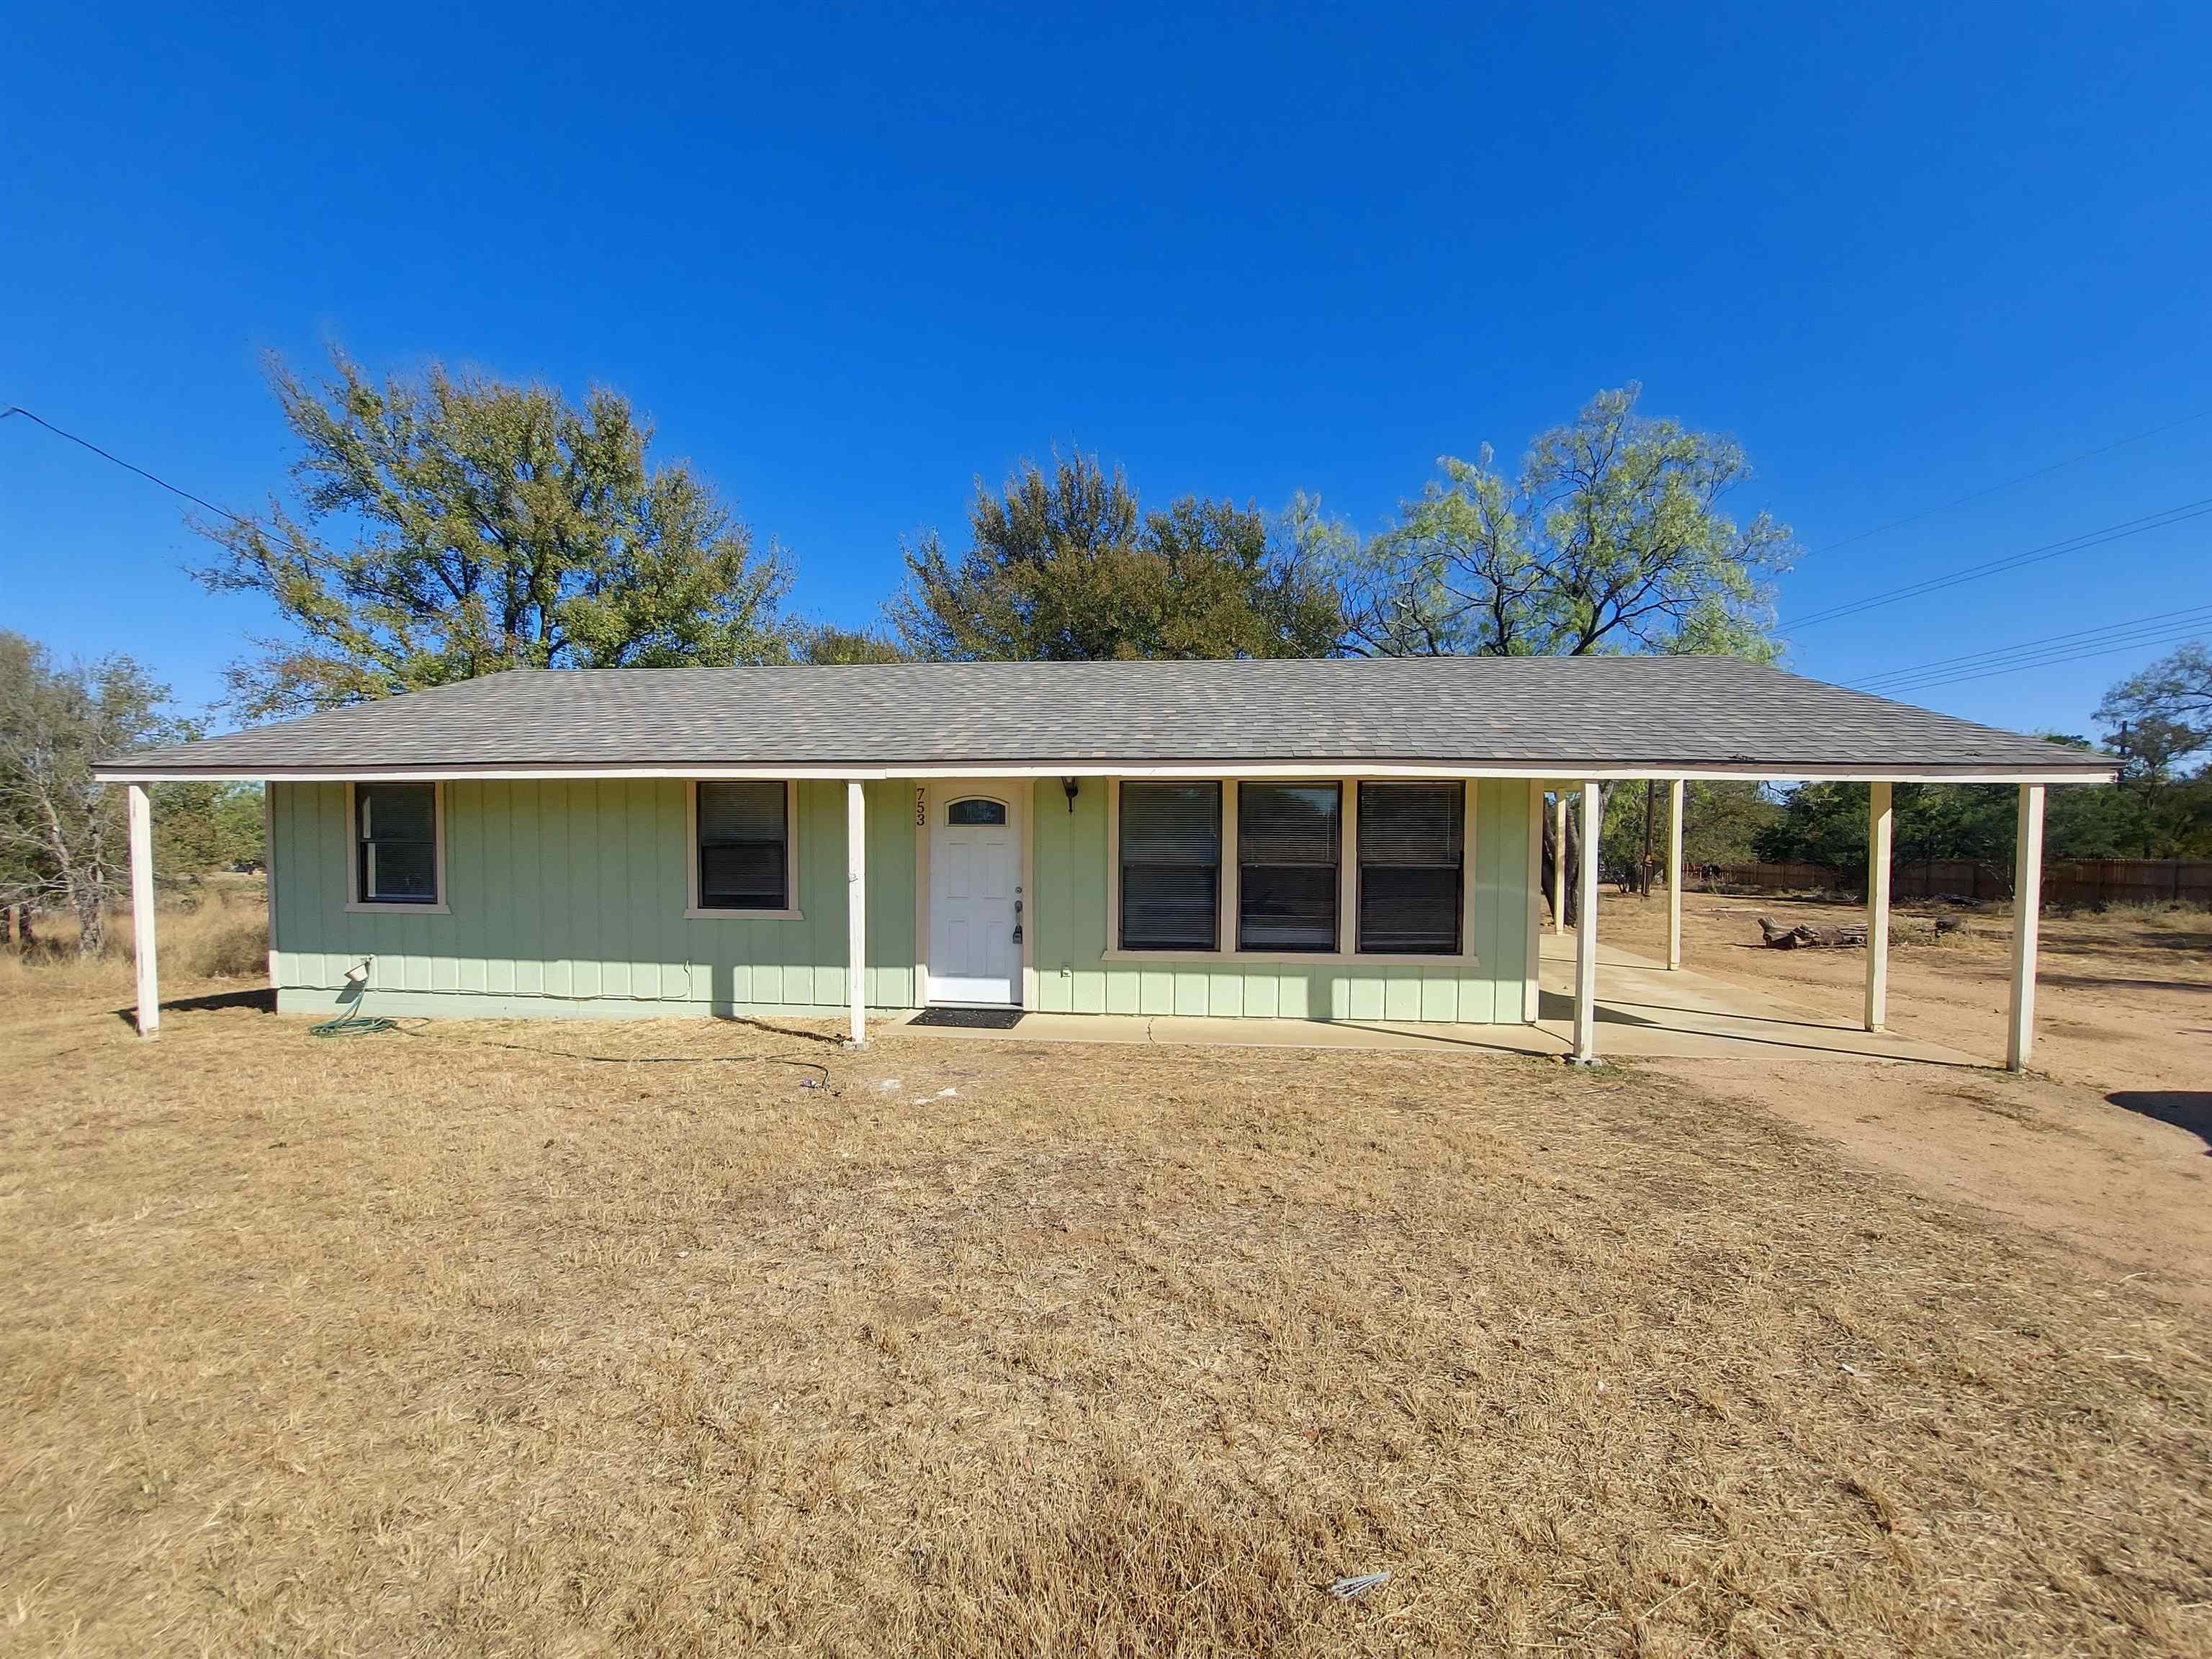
{"type": "Point", "coordinates": [64, 842]}
{"type": "Point", "coordinates": [826, 643]}
{"type": "Point", "coordinates": [448, 525]}
{"type": "Point", "coordinates": [1068, 566]}
{"type": "Point", "coordinates": [1612, 536]}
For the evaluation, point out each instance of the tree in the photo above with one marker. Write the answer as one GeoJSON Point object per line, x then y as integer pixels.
{"type": "Point", "coordinates": [1611, 538]}
{"type": "Point", "coordinates": [447, 526]}
{"type": "Point", "coordinates": [64, 843]}
{"type": "Point", "coordinates": [1070, 566]}
{"type": "Point", "coordinates": [824, 642]}
{"type": "Point", "coordinates": [2175, 690]}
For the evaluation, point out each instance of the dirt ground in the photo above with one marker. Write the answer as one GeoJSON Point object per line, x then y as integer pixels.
{"type": "Point", "coordinates": [697, 1337]}
{"type": "Point", "coordinates": [2106, 1150]}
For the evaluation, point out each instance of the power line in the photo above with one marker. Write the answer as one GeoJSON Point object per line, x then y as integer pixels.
{"type": "Point", "coordinates": [2050, 661]}
{"type": "Point", "coordinates": [86, 443]}
{"type": "Point", "coordinates": [2054, 467]}
{"type": "Point", "coordinates": [2079, 543]}
{"type": "Point", "coordinates": [2195, 616]}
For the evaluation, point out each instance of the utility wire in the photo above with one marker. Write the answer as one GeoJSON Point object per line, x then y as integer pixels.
{"type": "Point", "coordinates": [2050, 661]}
{"type": "Point", "coordinates": [2080, 544]}
{"type": "Point", "coordinates": [2054, 467]}
{"type": "Point", "coordinates": [86, 443]}
{"type": "Point", "coordinates": [2195, 615]}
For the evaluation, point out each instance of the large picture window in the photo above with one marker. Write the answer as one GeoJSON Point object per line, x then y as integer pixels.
{"type": "Point", "coordinates": [1413, 839]}
{"type": "Point", "coordinates": [1170, 849]}
{"type": "Point", "coordinates": [744, 846]}
{"type": "Point", "coordinates": [395, 828]}
{"type": "Point", "coordinates": [1289, 841]}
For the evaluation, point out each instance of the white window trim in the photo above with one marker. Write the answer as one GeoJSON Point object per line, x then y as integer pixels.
{"type": "Point", "coordinates": [693, 910]}
{"type": "Point", "coordinates": [355, 905]}
{"type": "Point", "coordinates": [1347, 888]}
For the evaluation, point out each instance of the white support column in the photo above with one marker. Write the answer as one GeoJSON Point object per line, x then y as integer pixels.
{"type": "Point", "coordinates": [1586, 930]}
{"type": "Point", "coordinates": [1674, 874]}
{"type": "Point", "coordinates": [856, 906]}
{"type": "Point", "coordinates": [142, 910]}
{"type": "Point", "coordinates": [1880, 827]}
{"type": "Point", "coordinates": [1559, 860]}
{"type": "Point", "coordinates": [2026, 922]}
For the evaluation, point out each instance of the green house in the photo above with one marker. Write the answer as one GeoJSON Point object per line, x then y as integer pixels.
{"type": "Point", "coordinates": [1339, 840]}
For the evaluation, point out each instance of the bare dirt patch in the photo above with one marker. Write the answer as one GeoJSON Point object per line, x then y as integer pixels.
{"type": "Point", "coordinates": [2106, 1149]}
{"type": "Point", "coordinates": [413, 1344]}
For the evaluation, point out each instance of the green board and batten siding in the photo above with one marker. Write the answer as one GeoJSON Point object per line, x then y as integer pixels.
{"type": "Point", "coordinates": [568, 898]}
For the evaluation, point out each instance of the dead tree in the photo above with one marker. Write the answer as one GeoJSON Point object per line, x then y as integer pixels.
{"type": "Point", "coordinates": [1801, 937]}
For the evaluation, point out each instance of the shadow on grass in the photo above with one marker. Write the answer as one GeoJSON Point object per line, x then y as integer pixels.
{"type": "Point", "coordinates": [261, 1000]}
{"type": "Point", "coordinates": [2185, 1109]}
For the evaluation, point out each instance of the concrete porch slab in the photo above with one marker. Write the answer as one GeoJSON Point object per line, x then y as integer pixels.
{"type": "Point", "coordinates": [1644, 1013]}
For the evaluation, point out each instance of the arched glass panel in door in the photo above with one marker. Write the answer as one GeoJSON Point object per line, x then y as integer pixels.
{"type": "Point", "coordinates": [976, 809]}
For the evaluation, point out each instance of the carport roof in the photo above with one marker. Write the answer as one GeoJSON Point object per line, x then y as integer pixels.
{"type": "Point", "coordinates": [1551, 717]}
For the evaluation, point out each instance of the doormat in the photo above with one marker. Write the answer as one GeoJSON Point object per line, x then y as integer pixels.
{"type": "Point", "coordinates": [970, 1019]}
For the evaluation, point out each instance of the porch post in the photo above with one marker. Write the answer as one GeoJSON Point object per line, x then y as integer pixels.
{"type": "Point", "coordinates": [2026, 921]}
{"type": "Point", "coordinates": [1559, 860]}
{"type": "Point", "coordinates": [856, 906]}
{"type": "Point", "coordinates": [1881, 826]}
{"type": "Point", "coordinates": [1674, 874]}
{"type": "Point", "coordinates": [1586, 930]}
{"type": "Point", "coordinates": [142, 910]}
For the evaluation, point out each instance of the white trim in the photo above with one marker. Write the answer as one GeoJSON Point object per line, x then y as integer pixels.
{"type": "Point", "coordinates": [927, 797]}
{"type": "Point", "coordinates": [1675, 792]}
{"type": "Point", "coordinates": [1338, 766]}
{"type": "Point", "coordinates": [856, 905]}
{"type": "Point", "coordinates": [1531, 988]}
{"type": "Point", "coordinates": [140, 811]}
{"type": "Point", "coordinates": [1881, 833]}
{"type": "Point", "coordinates": [693, 910]}
{"type": "Point", "coordinates": [1024, 897]}
{"type": "Point", "coordinates": [355, 905]}
{"type": "Point", "coordinates": [2027, 925]}
{"type": "Point", "coordinates": [1226, 921]}
{"type": "Point", "coordinates": [922, 895]}
{"type": "Point", "coordinates": [1593, 831]}
{"type": "Point", "coordinates": [269, 870]}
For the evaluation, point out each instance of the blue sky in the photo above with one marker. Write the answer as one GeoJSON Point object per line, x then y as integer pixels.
{"type": "Point", "coordinates": [850, 258]}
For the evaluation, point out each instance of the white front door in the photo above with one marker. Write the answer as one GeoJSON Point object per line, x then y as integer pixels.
{"type": "Point", "coordinates": [975, 876]}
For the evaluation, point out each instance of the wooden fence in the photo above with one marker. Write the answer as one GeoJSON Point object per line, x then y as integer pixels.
{"type": "Point", "coordinates": [2066, 881]}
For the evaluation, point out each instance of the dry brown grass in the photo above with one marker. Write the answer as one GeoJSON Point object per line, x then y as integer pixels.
{"type": "Point", "coordinates": [414, 1345]}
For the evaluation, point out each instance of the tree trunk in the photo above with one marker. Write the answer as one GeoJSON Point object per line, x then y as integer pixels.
{"type": "Point", "coordinates": [1651, 809]}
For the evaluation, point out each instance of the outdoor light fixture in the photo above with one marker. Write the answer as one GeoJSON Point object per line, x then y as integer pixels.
{"type": "Point", "coordinates": [1071, 785]}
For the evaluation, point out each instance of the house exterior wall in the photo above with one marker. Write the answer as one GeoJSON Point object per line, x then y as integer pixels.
{"type": "Point", "coordinates": [1076, 973]}
{"type": "Point", "coordinates": [567, 898]}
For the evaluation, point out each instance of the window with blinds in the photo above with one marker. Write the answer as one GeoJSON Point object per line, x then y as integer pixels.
{"type": "Point", "coordinates": [1289, 842]}
{"type": "Point", "coordinates": [1412, 841]}
{"type": "Point", "coordinates": [1170, 853]}
{"type": "Point", "coordinates": [396, 843]}
{"type": "Point", "coordinates": [744, 851]}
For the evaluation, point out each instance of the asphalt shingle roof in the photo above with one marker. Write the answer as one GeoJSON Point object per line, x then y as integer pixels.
{"type": "Point", "coordinates": [1570, 714]}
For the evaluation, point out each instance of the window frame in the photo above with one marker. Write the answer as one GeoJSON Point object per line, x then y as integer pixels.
{"type": "Point", "coordinates": [1348, 883]}
{"type": "Point", "coordinates": [1346, 793]}
{"type": "Point", "coordinates": [1357, 866]}
{"type": "Point", "coordinates": [357, 903]}
{"type": "Point", "coordinates": [693, 910]}
{"type": "Point", "coordinates": [1225, 849]}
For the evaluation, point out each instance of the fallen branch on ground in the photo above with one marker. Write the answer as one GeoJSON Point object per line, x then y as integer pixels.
{"type": "Point", "coordinates": [1797, 938]}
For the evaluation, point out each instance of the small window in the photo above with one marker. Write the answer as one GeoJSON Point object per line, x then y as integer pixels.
{"type": "Point", "coordinates": [1170, 866]}
{"type": "Point", "coordinates": [744, 845]}
{"type": "Point", "coordinates": [395, 828]}
{"type": "Point", "coordinates": [1412, 859]}
{"type": "Point", "coordinates": [976, 811]}
{"type": "Point", "coordinates": [1289, 838]}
